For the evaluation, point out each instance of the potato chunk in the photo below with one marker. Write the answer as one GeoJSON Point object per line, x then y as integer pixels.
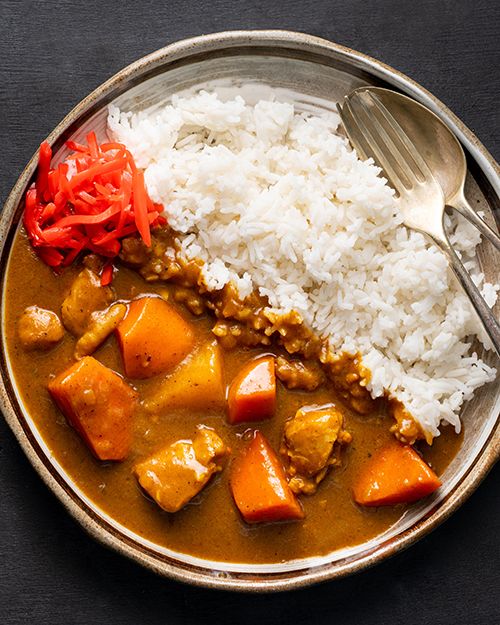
{"type": "Point", "coordinates": [309, 445]}
{"type": "Point", "coordinates": [39, 328]}
{"type": "Point", "coordinates": [196, 383]}
{"type": "Point", "coordinates": [85, 297]}
{"type": "Point", "coordinates": [177, 473]}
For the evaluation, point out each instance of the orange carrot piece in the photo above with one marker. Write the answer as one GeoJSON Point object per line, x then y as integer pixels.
{"type": "Point", "coordinates": [259, 485]}
{"type": "Point", "coordinates": [153, 338]}
{"type": "Point", "coordinates": [252, 393]}
{"type": "Point", "coordinates": [99, 404]}
{"type": "Point", "coordinates": [395, 474]}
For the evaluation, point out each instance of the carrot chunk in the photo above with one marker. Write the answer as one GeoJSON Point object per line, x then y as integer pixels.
{"type": "Point", "coordinates": [395, 474]}
{"type": "Point", "coordinates": [99, 404]}
{"type": "Point", "coordinates": [259, 485]}
{"type": "Point", "coordinates": [153, 338]}
{"type": "Point", "coordinates": [252, 394]}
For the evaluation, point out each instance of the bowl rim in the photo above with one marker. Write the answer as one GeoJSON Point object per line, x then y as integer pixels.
{"type": "Point", "coordinates": [92, 523]}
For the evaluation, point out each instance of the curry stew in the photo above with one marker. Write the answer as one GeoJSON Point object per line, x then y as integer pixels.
{"type": "Point", "coordinates": [190, 473]}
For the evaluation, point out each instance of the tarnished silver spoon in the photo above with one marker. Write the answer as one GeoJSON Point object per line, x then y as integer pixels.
{"type": "Point", "coordinates": [440, 149]}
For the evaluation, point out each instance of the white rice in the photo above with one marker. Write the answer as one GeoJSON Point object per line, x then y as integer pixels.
{"type": "Point", "coordinates": [277, 201]}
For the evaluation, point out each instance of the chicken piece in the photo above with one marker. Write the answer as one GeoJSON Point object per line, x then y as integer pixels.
{"type": "Point", "coordinates": [39, 328]}
{"type": "Point", "coordinates": [102, 324]}
{"type": "Point", "coordinates": [308, 443]}
{"type": "Point", "coordinates": [177, 473]}
{"type": "Point", "coordinates": [298, 374]}
{"type": "Point", "coordinates": [85, 297]}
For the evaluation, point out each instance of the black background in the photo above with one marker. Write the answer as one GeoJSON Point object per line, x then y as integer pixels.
{"type": "Point", "coordinates": [51, 55]}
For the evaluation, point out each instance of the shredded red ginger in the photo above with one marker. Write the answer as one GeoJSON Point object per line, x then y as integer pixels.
{"type": "Point", "coordinates": [103, 201]}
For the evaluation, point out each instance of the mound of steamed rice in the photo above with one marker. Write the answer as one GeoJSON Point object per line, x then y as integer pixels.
{"type": "Point", "coordinates": [277, 201]}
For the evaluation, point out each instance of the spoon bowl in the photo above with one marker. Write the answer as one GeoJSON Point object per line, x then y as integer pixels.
{"type": "Point", "coordinates": [440, 149]}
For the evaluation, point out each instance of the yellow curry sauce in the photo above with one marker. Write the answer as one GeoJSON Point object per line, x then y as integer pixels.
{"type": "Point", "coordinates": [210, 526]}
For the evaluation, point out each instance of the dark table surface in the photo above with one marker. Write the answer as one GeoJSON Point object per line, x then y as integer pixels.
{"type": "Point", "coordinates": [52, 54]}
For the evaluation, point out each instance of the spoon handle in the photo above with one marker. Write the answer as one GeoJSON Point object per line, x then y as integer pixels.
{"type": "Point", "coordinates": [464, 208]}
{"type": "Point", "coordinates": [484, 312]}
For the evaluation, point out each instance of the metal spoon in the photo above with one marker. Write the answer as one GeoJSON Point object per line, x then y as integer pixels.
{"type": "Point", "coordinates": [440, 149]}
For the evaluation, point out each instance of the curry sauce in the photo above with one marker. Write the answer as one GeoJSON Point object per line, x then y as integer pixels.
{"type": "Point", "coordinates": [210, 526]}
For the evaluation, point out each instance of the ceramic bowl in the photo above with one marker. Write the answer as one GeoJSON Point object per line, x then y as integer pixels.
{"type": "Point", "coordinates": [313, 73]}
